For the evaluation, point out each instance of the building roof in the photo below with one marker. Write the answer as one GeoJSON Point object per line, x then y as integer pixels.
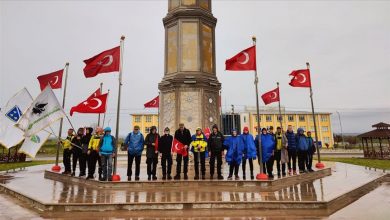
{"type": "Point", "coordinates": [382, 131]}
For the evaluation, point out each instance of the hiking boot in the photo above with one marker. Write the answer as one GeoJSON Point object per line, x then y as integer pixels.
{"type": "Point", "coordinates": [203, 177]}
{"type": "Point", "coordinates": [154, 177]}
{"type": "Point", "coordinates": [220, 177]}
{"type": "Point", "coordinates": [177, 177]}
{"type": "Point", "coordinates": [164, 177]}
{"type": "Point", "coordinates": [169, 177]}
{"type": "Point", "coordinates": [73, 174]}
{"type": "Point", "coordinates": [129, 178]}
{"type": "Point", "coordinates": [229, 178]}
{"type": "Point", "coordinates": [196, 177]}
{"type": "Point", "coordinates": [237, 177]}
{"type": "Point", "coordinates": [136, 178]}
{"type": "Point", "coordinates": [252, 177]}
{"type": "Point", "coordinates": [185, 177]}
{"type": "Point", "coordinates": [211, 177]}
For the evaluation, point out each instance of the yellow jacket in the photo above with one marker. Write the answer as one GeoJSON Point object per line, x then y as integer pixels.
{"type": "Point", "coordinates": [199, 141]}
{"type": "Point", "coordinates": [67, 142]}
{"type": "Point", "coordinates": [94, 142]}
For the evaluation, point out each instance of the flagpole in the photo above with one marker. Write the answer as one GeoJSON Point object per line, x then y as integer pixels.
{"type": "Point", "coordinates": [104, 115]}
{"type": "Point", "coordinates": [101, 89]}
{"type": "Point", "coordinates": [261, 175]}
{"type": "Point", "coordinates": [319, 164]}
{"type": "Point", "coordinates": [116, 177]}
{"type": "Point", "coordinates": [158, 114]}
{"type": "Point", "coordinates": [56, 167]}
{"type": "Point", "coordinates": [280, 110]}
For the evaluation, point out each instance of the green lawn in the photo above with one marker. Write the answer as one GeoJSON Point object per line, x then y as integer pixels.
{"type": "Point", "coordinates": [11, 166]}
{"type": "Point", "coordinates": [380, 164]}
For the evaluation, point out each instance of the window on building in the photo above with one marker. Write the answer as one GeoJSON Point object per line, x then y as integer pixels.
{"type": "Point", "coordinates": [280, 118]}
{"type": "Point", "coordinates": [147, 130]}
{"type": "Point", "coordinates": [244, 119]}
{"type": "Point", "coordinates": [301, 118]}
{"type": "Point", "coordinates": [137, 119]}
{"type": "Point", "coordinates": [268, 118]}
{"type": "Point", "coordinates": [148, 118]}
{"type": "Point", "coordinates": [324, 118]}
{"type": "Point", "coordinates": [256, 118]}
{"type": "Point", "coordinates": [324, 128]}
{"type": "Point", "coordinates": [291, 118]}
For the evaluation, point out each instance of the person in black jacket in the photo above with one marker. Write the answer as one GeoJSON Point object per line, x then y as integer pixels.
{"type": "Point", "coordinates": [76, 150]}
{"type": "Point", "coordinates": [164, 147]}
{"type": "Point", "coordinates": [151, 142]}
{"type": "Point", "coordinates": [215, 147]}
{"type": "Point", "coordinates": [84, 145]}
{"type": "Point", "coordinates": [184, 136]}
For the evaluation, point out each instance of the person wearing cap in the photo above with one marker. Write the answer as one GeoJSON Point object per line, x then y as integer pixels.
{"type": "Point", "coordinates": [151, 142]}
{"type": "Point", "coordinates": [310, 152]}
{"type": "Point", "coordinates": [215, 147]}
{"type": "Point", "coordinates": [267, 151]}
{"type": "Point", "coordinates": [199, 144]}
{"type": "Point", "coordinates": [281, 155]}
{"type": "Point", "coordinates": [93, 154]}
{"type": "Point", "coordinates": [235, 149]}
{"type": "Point", "coordinates": [135, 145]}
{"type": "Point", "coordinates": [249, 152]}
{"type": "Point", "coordinates": [183, 135]}
{"type": "Point", "coordinates": [302, 147]}
{"type": "Point", "coordinates": [67, 154]}
{"type": "Point", "coordinates": [107, 147]}
{"type": "Point", "coordinates": [164, 147]}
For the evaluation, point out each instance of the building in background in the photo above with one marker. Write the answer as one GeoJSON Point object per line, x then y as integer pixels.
{"type": "Point", "coordinates": [269, 116]}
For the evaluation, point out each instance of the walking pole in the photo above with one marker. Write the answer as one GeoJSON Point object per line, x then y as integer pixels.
{"type": "Point", "coordinates": [56, 167]}
{"type": "Point", "coordinates": [319, 165]}
{"type": "Point", "coordinates": [261, 175]}
{"type": "Point", "coordinates": [101, 89]}
{"type": "Point", "coordinates": [116, 177]}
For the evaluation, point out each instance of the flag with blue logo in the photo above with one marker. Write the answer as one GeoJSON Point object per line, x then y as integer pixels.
{"type": "Point", "coordinates": [10, 135]}
{"type": "Point", "coordinates": [32, 144]}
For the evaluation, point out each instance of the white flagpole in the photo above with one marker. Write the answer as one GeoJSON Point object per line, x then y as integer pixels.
{"type": "Point", "coordinates": [56, 167]}
{"type": "Point", "coordinates": [116, 177]}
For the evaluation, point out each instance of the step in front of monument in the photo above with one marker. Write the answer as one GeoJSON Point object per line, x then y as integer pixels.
{"type": "Point", "coordinates": [264, 185]}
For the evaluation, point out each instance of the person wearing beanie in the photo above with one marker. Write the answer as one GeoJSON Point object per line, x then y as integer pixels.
{"type": "Point", "coordinates": [215, 147]}
{"type": "Point", "coordinates": [267, 151]}
{"type": "Point", "coordinates": [281, 155]}
{"type": "Point", "coordinates": [93, 154]}
{"type": "Point", "coordinates": [84, 145]}
{"type": "Point", "coordinates": [249, 152]}
{"type": "Point", "coordinates": [77, 151]}
{"type": "Point", "coordinates": [183, 135]}
{"type": "Point", "coordinates": [302, 148]}
{"type": "Point", "coordinates": [164, 147]}
{"type": "Point", "coordinates": [135, 145]}
{"type": "Point", "coordinates": [292, 151]}
{"type": "Point", "coordinates": [235, 148]}
{"type": "Point", "coordinates": [107, 147]}
{"type": "Point", "coordinates": [199, 144]}
{"type": "Point", "coordinates": [151, 142]}
{"type": "Point", "coordinates": [310, 152]}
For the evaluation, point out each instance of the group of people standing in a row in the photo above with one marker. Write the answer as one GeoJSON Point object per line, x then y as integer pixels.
{"type": "Point", "coordinates": [100, 147]}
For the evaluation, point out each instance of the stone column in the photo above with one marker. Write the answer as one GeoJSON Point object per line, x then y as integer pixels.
{"type": "Point", "coordinates": [189, 90]}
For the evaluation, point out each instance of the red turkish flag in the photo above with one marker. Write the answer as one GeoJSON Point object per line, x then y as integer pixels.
{"type": "Point", "coordinates": [96, 93]}
{"type": "Point", "coordinates": [271, 96]}
{"type": "Point", "coordinates": [53, 79]}
{"type": "Point", "coordinates": [178, 148]}
{"type": "Point", "coordinates": [105, 62]}
{"type": "Point", "coordinates": [207, 132]}
{"type": "Point", "coordinates": [244, 60]}
{"type": "Point", "coordinates": [301, 78]}
{"type": "Point", "coordinates": [154, 103]}
{"type": "Point", "coordinates": [95, 104]}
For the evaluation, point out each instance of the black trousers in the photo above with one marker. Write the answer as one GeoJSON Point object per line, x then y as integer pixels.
{"type": "Point", "coordinates": [166, 163]}
{"type": "Point", "coordinates": [202, 159]}
{"type": "Point", "coordinates": [66, 160]}
{"type": "Point", "coordinates": [83, 163]}
{"type": "Point", "coordinates": [179, 158]}
{"type": "Point", "coordinates": [302, 158]}
{"type": "Point", "coordinates": [218, 156]}
{"type": "Point", "coordinates": [92, 158]}
{"type": "Point", "coordinates": [152, 166]}
{"type": "Point", "coordinates": [250, 161]}
{"type": "Point", "coordinates": [233, 167]}
{"type": "Point", "coordinates": [278, 158]}
{"type": "Point", "coordinates": [292, 157]}
{"type": "Point", "coordinates": [268, 167]}
{"type": "Point", "coordinates": [130, 159]}
{"type": "Point", "coordinates": [76, 157]}
{"type": "Point", "coordinates": [309, 162]}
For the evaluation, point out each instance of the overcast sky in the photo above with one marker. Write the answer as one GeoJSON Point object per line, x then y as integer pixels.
{"type": "Point", "coordinates": [346, 42]}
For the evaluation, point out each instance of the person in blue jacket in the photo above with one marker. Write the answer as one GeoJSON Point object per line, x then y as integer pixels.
{"type": "Point", "coordinates": [310, 152]}
{"type": "Point", "coordinates": [135, 145]}
{"type": "Point", "coordinates": [292, 151]}
{"type": "Point", "coordinates": [235, 148]}
{"type": "Point", "coordinates": [107, 152]}
{"type": "Point", "coordinates": [249, 153]}
{"type": "Point", "coordinates": [302, 147]}
{"type": "Point", "coordinates": [267, 151]}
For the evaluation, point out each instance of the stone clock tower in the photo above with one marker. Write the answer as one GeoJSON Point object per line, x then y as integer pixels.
{"type": "Point", "coordinates": [189, 90]}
